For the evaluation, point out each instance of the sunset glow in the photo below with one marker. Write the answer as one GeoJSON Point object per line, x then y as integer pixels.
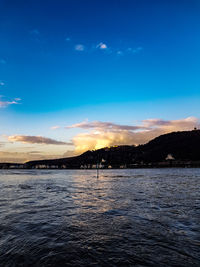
{"type": "Point", "coordinates": [72, 80]}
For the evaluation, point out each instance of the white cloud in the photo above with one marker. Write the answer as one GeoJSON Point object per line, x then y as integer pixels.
{"type": "Point", "coordinates": [79, 47]}
{"type": "Point", "coordinates": [118, 51]}
{"type": "Point", "coordinates": [102, 46]}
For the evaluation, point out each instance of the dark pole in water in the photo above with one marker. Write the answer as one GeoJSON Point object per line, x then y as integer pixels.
{"type": "Point", "coordinates": [97, 170]}
{"type": "Point", "coordinates": [98, 166]}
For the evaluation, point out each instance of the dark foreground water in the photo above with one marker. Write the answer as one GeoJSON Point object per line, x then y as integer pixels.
{"type": "Point", "coordinates": [124, 218]}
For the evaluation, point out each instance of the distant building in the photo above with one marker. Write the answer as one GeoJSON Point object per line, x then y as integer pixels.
{"type": "Point", "coordinates": [169, 157]}
{"type": "Point", "coordinates": [122, 166]}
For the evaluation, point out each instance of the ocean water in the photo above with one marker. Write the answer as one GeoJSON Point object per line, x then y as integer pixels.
{"type": "Point", "coordinates": [142, 217]}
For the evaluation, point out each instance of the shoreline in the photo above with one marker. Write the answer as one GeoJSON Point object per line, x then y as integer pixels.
{"type": "Point", "coordinates": [114, 168]}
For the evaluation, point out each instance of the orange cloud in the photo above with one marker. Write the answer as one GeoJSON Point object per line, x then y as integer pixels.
{"type": "Point", "coordinates": [102, 134]}
{"type": "Point", "coordinates": [97, 135]}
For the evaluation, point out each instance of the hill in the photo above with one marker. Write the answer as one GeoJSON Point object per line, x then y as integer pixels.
{"type": "Point", "coordinates": [172, 149]}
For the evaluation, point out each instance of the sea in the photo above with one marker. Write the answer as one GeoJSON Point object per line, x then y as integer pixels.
{"type": "Point", "coordinates": [128, 217]}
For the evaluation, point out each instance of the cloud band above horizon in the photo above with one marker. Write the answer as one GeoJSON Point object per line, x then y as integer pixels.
{"type": "Point", "coordinates": [36, 140]}
{"type": "Point", "coordinates": [102, 134]}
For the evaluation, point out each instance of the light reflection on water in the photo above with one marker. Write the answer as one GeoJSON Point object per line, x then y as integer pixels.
{"type": "Point", "coordinates": [146, 217]}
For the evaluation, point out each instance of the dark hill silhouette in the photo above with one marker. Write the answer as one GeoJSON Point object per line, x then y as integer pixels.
{"type": "Point", "coordinates": [182, 146]}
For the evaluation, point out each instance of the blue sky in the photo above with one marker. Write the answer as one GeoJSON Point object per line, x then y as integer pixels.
{"type": "Point", "coordinates": [63, 62]}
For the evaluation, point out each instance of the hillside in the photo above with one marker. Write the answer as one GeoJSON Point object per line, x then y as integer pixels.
{"type": "Point", "coordinates": [183, 147]}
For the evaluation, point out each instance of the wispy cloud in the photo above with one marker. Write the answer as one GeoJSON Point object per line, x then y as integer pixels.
{"type": "Point", "coordinates": [55, 127]}
{"type": "Point", "coordinates": [106, 126]}
{"type": "Point", "coordinates": [183, 124]}
{"type": "Point", "coordinates": [79, 47]}
{"type": "Point", "coordinates": [2, 83]}
{"type": "Point", "coordinates": [134, 50]}
{"type": "Point", "coordinates": [118, 51]}
{"type": "Point", "coordinates": [2, 144]}
{"type": "Point", "coordinates": [104, 47]}
{"type": "Point", "coordinates": [4, 104]}
{"type": "Point", "coordinates": [36, 140]}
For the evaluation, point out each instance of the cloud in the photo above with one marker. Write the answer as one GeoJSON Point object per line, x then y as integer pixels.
{"type": "Point", "coordinates": [92, 48]}
{"type": "Point", "coordinates": [134, 50]}
{"type": "Point", "coordinates": [102, 46]}
{"type": "Point", "coordinates": [106, 126]}
{"type": "Point", "coordinates": [183, 124]}
{"type": "Point", "coordinates": [2, 83]}
{"type": "Point", "coordinates": [55, 127]}
{"type": "Point", "coordinates": [79, 47]}
{"type": "Point", "coordinates": [21, 157]}
{"type": "Point", "coordinates": [36, 140]}
{"type": "Point", "coordinates": [102, 134]}
{"type": "Point", "coordinates": [120, 53]}
{"type": "Point", "coordinates": [69, 153]}
{"type": "Point", "coordinates": [2, 144]}
{"type": "Point", "coordinates": [96, 140]}
{"type": "Point", "coordinates": [34, 152]}
{"type": "Point", "coordinates": [155, 122]}
{"type": "Point", "coordinates": [17, 99]}
{"type": "Point", "coordinates": [4, 104]}
{"type": "Point", "coordinates": [128, 51]}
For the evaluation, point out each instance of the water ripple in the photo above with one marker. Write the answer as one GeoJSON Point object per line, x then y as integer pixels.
{"type": "Point", "coordinates": [124, 218]}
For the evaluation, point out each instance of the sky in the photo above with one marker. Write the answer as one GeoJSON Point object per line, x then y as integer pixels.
{"type": "Point", "coordinates": [85, 74]}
